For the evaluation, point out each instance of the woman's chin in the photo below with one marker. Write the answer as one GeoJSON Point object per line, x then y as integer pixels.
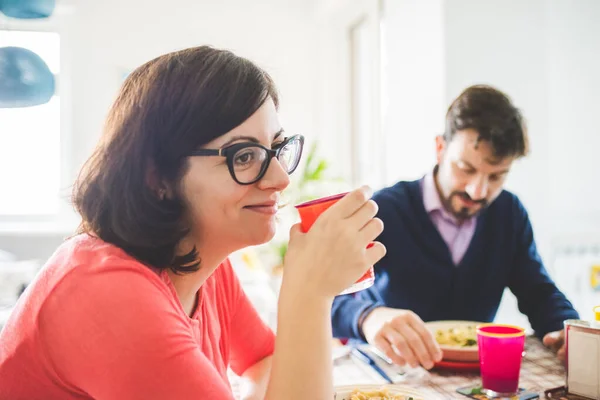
{"type": "Point", "coordinates": [262, 236]}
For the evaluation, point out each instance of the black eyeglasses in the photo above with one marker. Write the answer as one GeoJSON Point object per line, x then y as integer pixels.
{"type": "Point", "coordinates": [248, 162]}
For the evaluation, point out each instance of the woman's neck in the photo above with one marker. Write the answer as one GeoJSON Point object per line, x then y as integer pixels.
{"type": "Point", "coordinates": [187, 284]}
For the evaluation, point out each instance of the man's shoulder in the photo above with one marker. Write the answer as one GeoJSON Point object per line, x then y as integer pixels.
{"type": "Point", "coordinates": [398, 193]}
{"type": "Point", "coordinates": [508, 202]}
{"type": "Point", "coordinates": [402, 199]}
{"type": "Point", "coordinates": [508, 206]}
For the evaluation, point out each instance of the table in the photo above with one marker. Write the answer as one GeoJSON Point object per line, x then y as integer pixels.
{"type": "Point", "coordinates": [541, 370]}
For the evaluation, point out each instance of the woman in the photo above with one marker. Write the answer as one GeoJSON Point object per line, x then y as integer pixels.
{"type": "Point", "coordinates": [143, 303]}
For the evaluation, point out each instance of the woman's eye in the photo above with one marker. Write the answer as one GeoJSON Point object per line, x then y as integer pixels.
{"type": "Point", "coordinates": [244, 157]}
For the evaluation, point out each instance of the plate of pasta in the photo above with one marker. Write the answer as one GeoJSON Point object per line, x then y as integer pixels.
{"type": "Point", "coordinates": [376, 392]}
{"type": "Point", "coordinates": [457, 339]}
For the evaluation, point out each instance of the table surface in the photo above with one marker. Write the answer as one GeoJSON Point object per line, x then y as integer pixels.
{"type": "Point", "coordinates": [540, 370]}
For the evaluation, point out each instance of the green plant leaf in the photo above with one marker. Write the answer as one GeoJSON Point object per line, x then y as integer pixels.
{"type": "Point", "coordinates": [477, 390]}
{"type": "Point", "coordinates": [282, 250]}
{"type": "Point", "coordinates": [311, 155]}
{"type": "Point", "coordinates": [318, 173]}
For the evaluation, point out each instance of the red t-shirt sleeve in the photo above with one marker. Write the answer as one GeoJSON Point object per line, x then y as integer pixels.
{"type": "Point", "coordinates": [251, 339]}
{"type": "Point", "coordinates": [136, 346]}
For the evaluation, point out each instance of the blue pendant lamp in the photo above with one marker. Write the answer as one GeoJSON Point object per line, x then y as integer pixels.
{"type": "Point", "coordinates": [25, 79]}
{"type": "Point", "coordinates": [27, 9]}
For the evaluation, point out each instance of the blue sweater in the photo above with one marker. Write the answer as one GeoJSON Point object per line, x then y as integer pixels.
{"type": "Point", "coordinates": [418, 273]}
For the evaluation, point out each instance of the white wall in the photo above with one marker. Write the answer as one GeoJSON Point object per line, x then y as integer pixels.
{"type": "Point", "coordinates": [101, 41]}
{"type": "Point", "coordinates": [573, 79]}
{"type": "Point", "coordinates": [413, 86]}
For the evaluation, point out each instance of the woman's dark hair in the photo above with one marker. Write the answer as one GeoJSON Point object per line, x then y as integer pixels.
{"type": "Point", "coordinates": [166, 108]}
{"type": "Point", "coordinates": [491, 114]}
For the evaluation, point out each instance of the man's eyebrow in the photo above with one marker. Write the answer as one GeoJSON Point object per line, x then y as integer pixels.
{"type": "Point", "coordinates": [468, 164]}
{"type": "Point", "coordinates": [496, 161]}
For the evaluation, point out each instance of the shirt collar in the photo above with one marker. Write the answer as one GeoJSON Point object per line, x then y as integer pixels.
{"type": "Point", "coordinates": [431, 197]}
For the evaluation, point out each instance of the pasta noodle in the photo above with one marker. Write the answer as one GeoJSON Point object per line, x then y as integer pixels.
{"type": "Point", "coordinates": [464, 336]}
{"type": "Point", "coordinates": [383, 394]}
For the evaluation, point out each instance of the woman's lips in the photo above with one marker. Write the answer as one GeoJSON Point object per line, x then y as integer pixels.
{"type": "Point", "coordinates": [268, 209]}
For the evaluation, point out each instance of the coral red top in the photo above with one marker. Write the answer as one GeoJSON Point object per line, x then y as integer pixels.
{"type": "Point", "coordinates": [96, 323]}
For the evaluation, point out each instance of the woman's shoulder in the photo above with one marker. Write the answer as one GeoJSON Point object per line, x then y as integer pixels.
{"type": "Point", "coordinates": [87, 267]}
{"type": "Point", "coordinates": [85, 248]}
{"type": "Point", "coordinates": [88, 281]}
{"type": "Point", "coordinates": [87, 256]}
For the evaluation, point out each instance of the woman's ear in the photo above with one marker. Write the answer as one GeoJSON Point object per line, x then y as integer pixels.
{"type": "Point", "coordinates": [155, 184]}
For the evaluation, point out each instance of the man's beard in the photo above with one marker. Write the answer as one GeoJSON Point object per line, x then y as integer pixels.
{"type": "Point", "coordinates": [463, 213]}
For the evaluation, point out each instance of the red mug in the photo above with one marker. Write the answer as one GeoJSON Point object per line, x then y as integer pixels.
{"type": "Point", "coordinates": [309, 212]}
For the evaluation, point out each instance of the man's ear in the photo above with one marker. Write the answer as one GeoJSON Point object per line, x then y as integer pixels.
{"type": "Point", "coordinates": [440, 148]}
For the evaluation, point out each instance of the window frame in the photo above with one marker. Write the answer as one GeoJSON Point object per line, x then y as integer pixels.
{"type": "Point", "coordinates": [65, 219]}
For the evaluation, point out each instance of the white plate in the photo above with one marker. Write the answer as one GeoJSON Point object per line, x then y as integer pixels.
{"type": "Point", "coordinates": [456, 353]}
{"type": "Point", "coordinates": [343, 392]}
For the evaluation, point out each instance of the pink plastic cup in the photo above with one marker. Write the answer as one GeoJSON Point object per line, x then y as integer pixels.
{"type": "Point", "coordinates": [500, 353]}
{"type": "Point", "coordinates": [309, 212]}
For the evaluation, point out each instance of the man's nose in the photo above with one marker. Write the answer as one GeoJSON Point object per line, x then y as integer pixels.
{"type": "Point", "coordinates": [477, 189]}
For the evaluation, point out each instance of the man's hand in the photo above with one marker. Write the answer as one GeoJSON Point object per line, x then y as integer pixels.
{"type": "Point", "coordinates": [402, 336]}
{"type": "Point", "coordinates": [556, 341]}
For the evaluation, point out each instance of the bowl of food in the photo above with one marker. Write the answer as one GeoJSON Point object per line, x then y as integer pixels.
{"type": "Point", "coordinates": [376, 392]}
{"type": "Point", "coordinates": [457, 339]}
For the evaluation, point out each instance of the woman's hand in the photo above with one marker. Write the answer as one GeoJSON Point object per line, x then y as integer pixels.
{"type": "Point", "coordinates": [333, 254]}
{"type": "Point", "coordinates": [318, 266]}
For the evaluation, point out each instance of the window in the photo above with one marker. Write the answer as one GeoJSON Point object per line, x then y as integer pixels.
{"type": "Point", "coordinates": [367, 159]}
{"type": "Point", "coordinates": [362, 101]}
{"type": "Point", "coordinates": [30, 167]}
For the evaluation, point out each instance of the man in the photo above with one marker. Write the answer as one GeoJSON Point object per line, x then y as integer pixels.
{"type": "Point", "coordinates": [455, 240]}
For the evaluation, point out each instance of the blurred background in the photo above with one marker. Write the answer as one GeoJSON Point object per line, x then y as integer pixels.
{"type": "Point", "coordinates": [366, 81]}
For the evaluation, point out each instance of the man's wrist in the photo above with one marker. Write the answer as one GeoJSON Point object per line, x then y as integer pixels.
{"type": "Point", "coordinates": [362, 317]}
